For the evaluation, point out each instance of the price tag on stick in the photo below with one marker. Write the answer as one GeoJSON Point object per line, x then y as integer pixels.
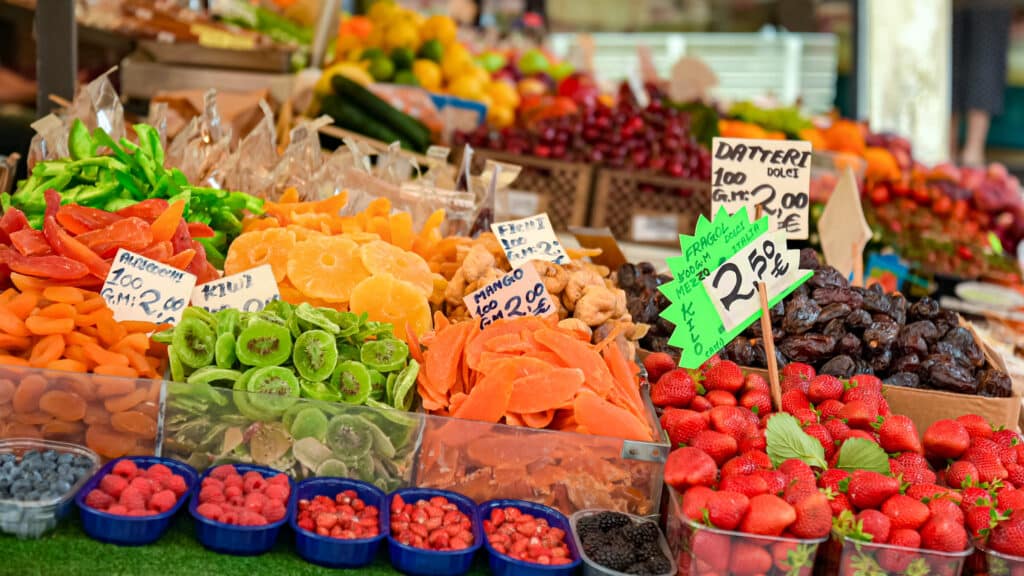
{"type": "Point", "coordinates": [713, 294]}
{"type": "Point", "coordinates": [138, 288]}
{"type": "Point", "coordinates": [248, 291]}
{"type": "Point", "coordinates": [528, 239]}
{"type": "Point", "coordinates": [843, 229]}
{"type": "Point", "coordinates": [774, 175]}
{"type": "Point", "coordinates": [521, 292]}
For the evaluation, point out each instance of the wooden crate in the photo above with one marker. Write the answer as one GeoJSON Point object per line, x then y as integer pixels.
{"type": "Point", "coordinates": [648, 208]}
{"type": "Point", "coordinates": [562, 189]}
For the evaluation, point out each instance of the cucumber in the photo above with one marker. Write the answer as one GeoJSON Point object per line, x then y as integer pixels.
{"type": "Point", "coordinates": [412, 129]}
{"type": "Point", "coordinates": [351, 117]}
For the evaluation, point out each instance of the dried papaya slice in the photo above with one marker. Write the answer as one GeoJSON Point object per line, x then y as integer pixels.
{"type": "Point", "coordinates": [576, 354]}
{"type": "Point", "coordinates": [544, 391]}
{"type": "Point", "coordinates": [600, 417]}
{"type": "Point", "coordinates": [487, 401]}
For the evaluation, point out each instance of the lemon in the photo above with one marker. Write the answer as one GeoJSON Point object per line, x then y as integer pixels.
{"type": "Point", "coordinates": [402, 35]}
{"type": "Point", "coordinates": [455, 61]}
{"type": "Point", "coordinates": [383, 11]}
{"type": "Point", "coordinates": [466, 87]}
{"type": "Point", "coordinates": [503, 94]}
{"type": "Point", "coordinates": [440, 28]}
{"type": "Point", "coordinates": [500, 116]}
{"type": "Point", "coordinates": [428, 73]}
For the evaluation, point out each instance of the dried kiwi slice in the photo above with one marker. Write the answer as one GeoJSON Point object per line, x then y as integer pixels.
{"type": "Point", "coordinates": [315, 318]}
{"type": "Point", "coordinates": [405, 386]}
{"type": "Point", "coordinates": [377, 385]}
{"type": "Point", "coordinates": [280, 308]}
{"type": "Point", "coordinates": [381, 443]}
{"type": "Point", "coordinates": [275, 389]}
{"type": "Point", "coordinates": [314, 354]}
{"type": "Point", "coordinates": [347, 352]}
{"type": "Point", "coordinates": [384, 355]}
{"type": "Point", "coordinates": [349, 436]}
{"type": "Point", "coordinates": [264, 344]}
{"type": "Point", "coordinates": [348, 323]}
{"type": "Point", "coordinates": [194, 342]}
{"type": "Point", "coordinates": [227, 321]}
{"type": "Point", "coordinates": [352, 380]}
{"type": "Point", "coordinates": [332, 468]}
{"type": "Point", "coordinates": [359, 467]}
{"type": "Point", "coordinates": [310, 423]}
{"type": "Point", "coordinates": [242, 397]}
{"type": "Point", "coordinates": [214, 375]}
{"type": "Point", "coordinates": [319, 391]}
{"type": "Point", "coordinates": [310, 452]}
{"type": "Point", "coordinates": [199, 313]}
{"type": "Point", "coordinates": [293, 326]}
{"type": "Point", "coordinates": [177, 369]}
{"type": "Point", "coordinates": [224, 351]}
{"type": "Point", "coordinates": [389, 387]}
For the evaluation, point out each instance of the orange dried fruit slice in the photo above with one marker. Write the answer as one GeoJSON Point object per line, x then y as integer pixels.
{"type": "Point", "coordinates": [380, 257]}
{"type": "Point", "coordinates": [302, 233]}
{"type": "Point", "coordinates": [327, 268]}
{"type": "Point", "coordinates": [385, 298]}
{"type": "Point", "coordinates": [253, 249]}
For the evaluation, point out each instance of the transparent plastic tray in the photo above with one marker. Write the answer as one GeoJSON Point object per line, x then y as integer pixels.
{"type": "Point", "coordinates": [993, 563]}
{"type": "Point", "coordinates": [846, 557]}
{"type": "Point", "coordinates": [591, 568]}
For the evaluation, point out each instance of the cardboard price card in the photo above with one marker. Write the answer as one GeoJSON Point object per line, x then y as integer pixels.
{"type": "Point", "coordinates": [842, 227]}
{"type": "Point", "coordinates": [713, 292]}
{"type": "Point", "coordinates": [248, 291]}
{"type": "Point", "coordinates": [138, 288]}
{"type": "Point", "coordinates": [528, 239]}
{"type": "Point", "coordinates": [772, 174]}
{"type": "Point", "coordinates": [521, 292]}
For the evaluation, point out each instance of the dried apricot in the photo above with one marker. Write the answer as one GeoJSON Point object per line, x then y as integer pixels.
{"type": "Point", "coordinates": [133, 422]}
{"type": "Point", "coordinates": [48, 349]}
{"type": "Point", "coordinates": [61, 430]}
{"type": "Point", "coordinates": [107, 442]}
{"type": "Point", "coordinates": [327, 268]}
{"type": "Point", "coordinates": [126, 402]}
{"type": "Point", "coordinates": [26, 397]}
{"type": "Point", "coordinates": [62, 405]}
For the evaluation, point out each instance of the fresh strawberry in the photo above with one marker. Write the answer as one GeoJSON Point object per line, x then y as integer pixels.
{"type": "Point", "coordinates": [859, 413]}
{"type": "Point", "coordinates": [750, 485]}
{"type": "Point", "coordinates": [700, 404]}
{"type": "Point", "coordinates": [711, 552]}
{"type": "Point", "coordinates": [984, 454]}
{"type": "Point", "coordinates": [769, 515]}
{"type": "Point", "coordinates": [976, 426]}
{"type": "Point", "coordinates": [719, 446]}
{"type": "Point", "coordinates": [829, 409]}
{"type": "Point", "coordinates": [794, 400]}
{"type": "Point", "coordinates": [831, 479]}
{"type": "Point", "coordinates": [799, 370]}
{"type": "Point", "coordinates": [687, 467]}
{"type": "Point", "coordinates": [868, 489]}
{"type": "Point", "coordinates": [978, 518]}
{"type": "Point", "coordinates": [797, 490]}
{"type": "Point", "coordinates": [682, 425]}
{"type": "Point", "coordinates": [749, 558]}
{"type": "Point", "coordinates": [838, 429]}
{"type": "Point", "coordinates": [805, 416]}
{"type": "Point", "coordinates": [945, 507]}
{"type": "Point", "coordinates": [695, 500]}
{"type": "Point", "coordinates": [732, 420]}
{"type": "Point", "coordinates": [820, 433]}
{"type": "Point", "coordinates": [862, 434]}
{"type": "Point", "coordinates": [726, 509]}
{"type": "Point", "coordinates": [762, 459]}
{"type": "Point", "coordinates": [1015, 474]}
{"type": "Point", "coordinates": [866, 382]}
{"type": "Point", "coordinates": [897, 561]}
{"type": "Point", "coordinates": [726, 375]}
{"type": "Point", "coordinates": [674, 388]}
{"type": "Point", "coordinates": [930, 491]}
{"type": "Point", "coordinates": [754, 443]}
{"type": "Point", "coordinates": [913, 468]}
{"type": "Point", "coordinates": [944, 535]}
{"type": "Point", "coordinates": [960, 473]}
{"type": "Point", "coordinates": [710, 363]}
{"type": "Point", "coordinates": [824, 387]}
{"type": "Point", "coordinates": [756, 383]}
{"type": "Point", "coordinates": [1006, 438]}
{"type": "Point", "coordinates": [658, 364]}
{"type": "Point", "coordinates": [1010, 499]}
{"type": "Point", "coordinates": [775, 480]}
{"type": "Point", "coordinates": [757, 401]}
{"type": "Point", "coordinates": [813, 517]}
{"type": "Point", "coordinates": [876, 524]}
{"type": "Point", "coordinates": [897, 433]}
{"type": "Point", "coordinates": [905, 512]}
{"type": "Point", "coordinates": [838, 502]}
{"type": "Point", "coordinates": [739, 466]}
{"type": "Point", "coordinates": [721, 398]}
{"type": "Point", "coordinates": [797, 470]}
{"type": "Point", "coordinates": [1008, 537]}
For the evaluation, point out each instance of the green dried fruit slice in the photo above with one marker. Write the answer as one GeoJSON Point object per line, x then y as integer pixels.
{"type": "Point", "coordinates": [214, 375]}
{"type": "Point", "coordinates": [310, 452]}
{"type": "Point", "coordinates": [177, 369]}
{"type": "Point", "coordinates": [315, 318]}
{"type": "Point", "coordinates": [384, 355]}
{"type": "Point", "coordinates": [318, 391]}
{"type": "Point", "coordinates": [389, 387]}
{"type": "Point", "coordinates": [348, 436]}
{"type": "Point", "coordinates": [332, 468]}
{"type": "Point", "coordinates": [405, 386]}
{"type": "Point", "coordinates": [381, 443]}
{"type": "Point", "coordinates": [310, 423]}
{"type": "Point", "coordinates": [194, 342]}
{"type": "Point", "coordinates": [241, 397]}
{"type": "Point", "coordinates": [224, 351]}
{"type": "Point", "coordinates": [264, 344]}
{"type": "Point", "coordinates": [315, 354]}
{"type": "Point", "coordinates": [274, 389]}
{"type": "Point", "coordinates": [377, 386]}
{"type": "Point", "coordinates": [351, 380]}
{"type": "Point", "coordinates": [201, 314]}
{"type": "Point", "coordinates": [348, 352]}
{"type": "Point", "coordinates": [228, 321]}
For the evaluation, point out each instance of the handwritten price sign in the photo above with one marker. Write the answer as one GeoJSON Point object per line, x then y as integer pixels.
{"type": "Point", "coordinates": [529, 239]}
{"type": "Point", "coordinates": [713, 292]}
{"type": "Point", "coordinates": [772, 174]}
{"type": "Point", "coordinates": [248, 291]}
{"type": "Point", "coordinates": [521, 292]}
{"type": "Point", "coordinates": [138, 288]}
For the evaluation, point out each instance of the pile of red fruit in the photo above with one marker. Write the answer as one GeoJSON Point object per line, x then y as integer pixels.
{"type": "Point", "coordinates": [243, 500]}
{"type": "Point", "coordinates": [522, 536]}
{"type": "Point", "coordinates": [129, 491]}
{"type": "Point", "coordinates": [434, 524]}
{"type": "Point", "coordinates": [345, 516]}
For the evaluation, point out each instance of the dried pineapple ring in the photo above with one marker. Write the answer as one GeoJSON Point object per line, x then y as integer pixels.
{"type": "Point", "coordinates": [326, 268]}
{"type": "Point", "coordinates": [379, 257]}
{"type": "Point", "coordinates": [385, 298]}
{"type": "Point", "coordinates": [252, 249]}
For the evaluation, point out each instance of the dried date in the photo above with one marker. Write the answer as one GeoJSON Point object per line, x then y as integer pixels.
{"type": "Point", "coordinates": [828, 277]}
{"type": "Point", "coordinates": [906, 363]}
{"type": "Point", "coordinates": [811, 348]}
{"type": "Point", "coordinates": [835, 329]}
{"type": "Point", "coordinates": [962, 338]}
{"type": "Point", "coordinates": [898, 308]}
{"type": "Point", "coordinates": [924, 309]}
{"type": "Point", "coordinates": [826, 296]}
{"type": "Point", "coordinates": [862, 366]}
{"type": "Point", "coordinates": [858, 319]}
{"type": "Point", "coordinates": [881, 333]}
{"type": "Point", "coordinates": [739, 351]}
{"type": "Point", "coordinates": [880, 361]}
{"type": "Point", "coordinates": [945, 321]}
{"type": "Point", "coordinates": [904, 379]}
{"type": "Point", "coordinates": [833, 311]}
{"type": "Point", "coordinates": [801, 317]}
{"type": "Point", "coordinates": [875, 300]}
{"type": "Point", "coordinates": [995, 383]}
{"type": "Point", "coordinates": [841, 367]}
{"type": "Point", "coordinates": [850, 345]}
{"type": "Point", "coordinates": [953, 377]}
{"type": "Point", "coordinates": [809, 259]}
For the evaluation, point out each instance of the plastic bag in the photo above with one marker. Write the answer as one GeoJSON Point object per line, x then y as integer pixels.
{"type": "Point", "coordinates": [459, 207]}
{"type": "Point", "coordinates": [98, 105]}
{"type": "Point", "coordinates": [50, 141]}
{"type": "Point", "coordinates": [301, 160]}
{"type": "Point", "coordinates": [202, 147]}
{"type": "Point", "coordinates": [250, 167]}
{"type": "Point", "coordinates": [494, 182]}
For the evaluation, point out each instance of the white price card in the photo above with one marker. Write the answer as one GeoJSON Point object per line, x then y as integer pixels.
{"type": "Point", "coordinates": [528, 239]}
{"type": "Point", "coordinates": [521, 292]}
{"type": "Point", "coordinates": [655, 228]}
{"type": "Point", "coordinates": [138, 288]}
{"type": "Point", "coordinates": [522, 203]}
{"type": "Point", "coordinates": [732, 286]}
{"type": "Point", "coordinates": [774, 175]}
{"type": "Point", "coordinates": [248, 291]}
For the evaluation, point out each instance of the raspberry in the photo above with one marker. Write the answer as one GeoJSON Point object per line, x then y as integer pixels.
{"type": "Point", "coordinates": [118, 509]}
{"type": "Point", "coordinates": [141, 512]}
{"type": "Point", "coordinates": [237, 501]}
{"type": "Point", "coordinates": [273, 511]}
{"type": "Point", "coordinates": [223, 471]}
{"type": "Point", "coordinates": [163, 501]}
{"type": "Point", "coordinates": [132, 499]}
{"type": "Point", "coordinates": [253, 482]}
{"type": "Point", "coordinates": [98, 499]}
{"type": "Point", "coordinates": [211, 481]}
{"type": "Point", "coordinates": [250, 518]}
{"type": "Point", "coordinates": [210, 510]}
{"type": "Point", "coordinates": [279, 480]}
{"type": "Point", "coordinates": [232, 491]}
{"type": "Point", "coordinates": [211, 495]}
{"type": "Point", "coordinates": [143, 485]}
{"type": "Point", "coordinates": [234, 480]}
{"type": "Point", "coordinates": [229, 517]}
{"type": "Point", "coordinates": [158, 471]}
{"type": "Point", "coordinates": [255, 501]}
{"type": "Point", "coordinates": [126, 469]}
{"type": "Point", "coordinates": [175, 484]}
{"type": "Point", "coordinates": [113, 485]}
{"type": "Point", "coordinates": [277, 492]}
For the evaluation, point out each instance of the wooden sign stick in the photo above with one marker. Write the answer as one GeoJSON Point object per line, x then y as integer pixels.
{"type": "Point", "coordinates": [858, 265]}
{"type": "Point", "coordinates": [768, 339]}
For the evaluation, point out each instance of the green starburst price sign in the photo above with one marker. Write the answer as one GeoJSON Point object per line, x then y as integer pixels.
{"type": "Point", "coordinates": [714, 292]}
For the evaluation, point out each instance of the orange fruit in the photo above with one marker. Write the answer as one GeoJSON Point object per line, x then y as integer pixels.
{"type": "Point", "coordinates": [379, 257]}
{"type": "Point", "coordinates": [385, 298]}
{"type": "Point", "coordinates": [326, 268]}
{"type": "Point", "coordinates": [253, 249]}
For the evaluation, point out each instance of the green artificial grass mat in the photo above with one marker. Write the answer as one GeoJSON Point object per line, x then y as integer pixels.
{"type": "Point", "coordinates": [68, 551]}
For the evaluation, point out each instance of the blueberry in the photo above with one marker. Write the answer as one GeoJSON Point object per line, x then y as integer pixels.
{"type": "Point", "coordinates": [50, 455]}
{"type": "Point", "coordinates": [66, 458]}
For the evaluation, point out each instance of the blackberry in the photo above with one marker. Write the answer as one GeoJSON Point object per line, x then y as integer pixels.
{"type": "Point", "coordinates": [659, 565]}
{"type": "Point", "coordinates": [643, 533]}
{"type": "Point", "coordinates": [609, 521]}
{"type": "Point", "coordinates": [614, 557]}
{"type": "Point", "coordinates": [587, 527]}
{"type": "Point", "coordinates": [639, 568]}
{"type": "Point", "coordinates": [649, 551]}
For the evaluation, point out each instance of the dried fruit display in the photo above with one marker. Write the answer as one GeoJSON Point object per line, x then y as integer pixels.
{"type": "Point", "coordinates": [130, 491]}
{"type": "Point", "coordinates": [645, 302]}
{"type": "Point", "coordinates": [843, 330]}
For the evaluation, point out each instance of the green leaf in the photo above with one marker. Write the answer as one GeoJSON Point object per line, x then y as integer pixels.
{"type": "Point", "coordinates": [862, 454]}
{"type": "Point", "coordinates": [787, 440]}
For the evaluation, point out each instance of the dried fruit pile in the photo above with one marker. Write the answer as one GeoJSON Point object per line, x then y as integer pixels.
{"type": "Point", "coordinates": [41, 475]}
{"type": "Point", "coordinates": [530, 372]}
{"type": "Point", "coordinates": [523, 536]}
{"type": "Point", "coordinates": [345, 516]}
{"type": "Point", "coordinates": [620, 543]}
{"type": "Point", "coordinates": [243, 500]}
{"type": "Point", "coordinates": [77, 244]}
{"type": "Point", "coordinates": [434, 524]}
{"type": "Point", "coordinates": [130, 491]}
{"type": "Point", "coordinates": [645, 302]}
{"type": "Point", "coordinates": [843, 330]}
{"type": "Point", "coordinates": [287, 352]}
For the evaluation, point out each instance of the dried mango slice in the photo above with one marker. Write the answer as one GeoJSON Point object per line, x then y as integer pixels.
{"type": "Point", "coordinates": [385, 298]}
{"type": "Point", "coordinates": [598, 416]}
{"type": "Point", "coordinates": [327, 268]}
{"type": "Point", "coordinates": [380, 257]}
{"type": "Point", "coordinates": [544, 391]}
{"type": "Point", "coordinates": [253, 249]}
{"type": "Point", "coordinates": [487, 401]}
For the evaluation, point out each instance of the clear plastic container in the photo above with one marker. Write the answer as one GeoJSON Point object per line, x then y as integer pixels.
{"type": "Point", "coordinates": [336, 552]}
{"type": "Point", "coordinates": [32, 519]}
{"type": "Point", "coordinates": [591, 568]}
{"type": "Point", "coordinates": [502, 565]}
{"type": "Point", "coordinates": [846, 557]}
{"type": "Point", "coordinates": [132, 530]}
{"type": "Point", "coordinates": [700, 549]}
{"type": "Point", "coordinates": [992, 563]}
{"type": "Point", "coordinates": [421, 562]}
